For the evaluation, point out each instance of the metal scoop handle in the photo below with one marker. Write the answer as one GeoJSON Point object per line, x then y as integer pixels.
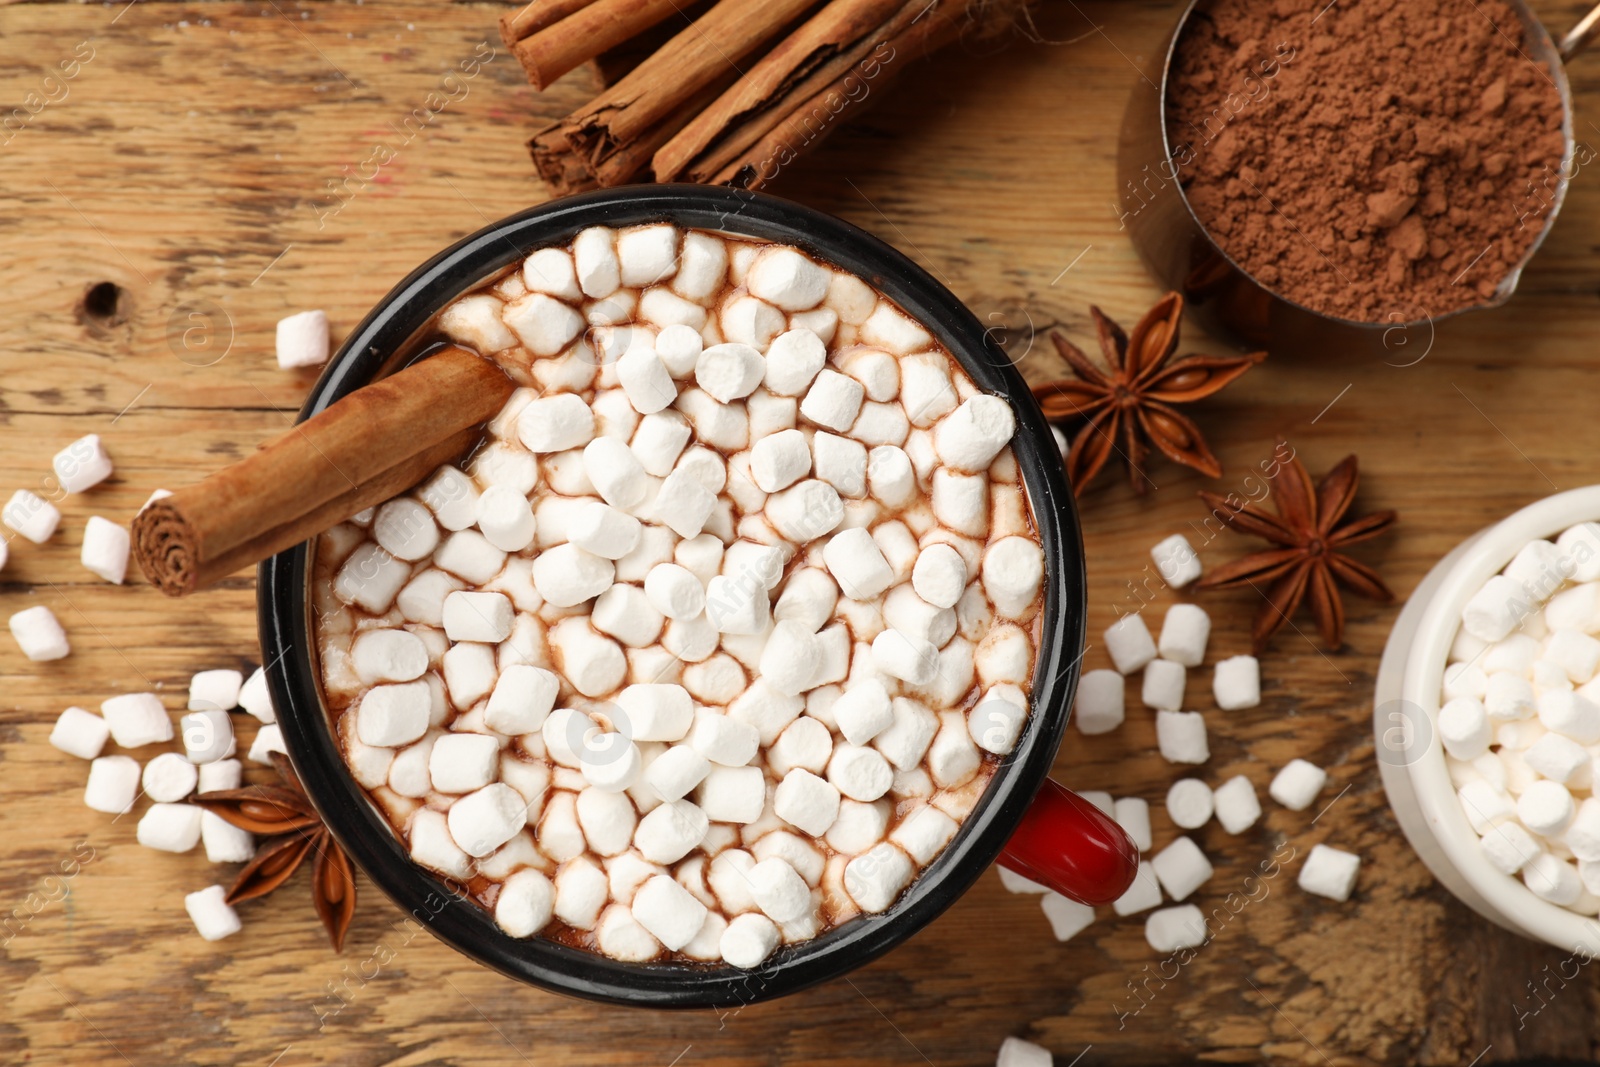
{"type": "Point", "coordinates": [1580, 36]}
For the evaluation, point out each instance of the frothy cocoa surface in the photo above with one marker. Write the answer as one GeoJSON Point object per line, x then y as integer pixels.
{"type": "Point", "coordinates": [722, 632]}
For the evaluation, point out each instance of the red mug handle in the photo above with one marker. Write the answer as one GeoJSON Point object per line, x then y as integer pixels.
{"type": "Point", "coordinates": [1066, 843]}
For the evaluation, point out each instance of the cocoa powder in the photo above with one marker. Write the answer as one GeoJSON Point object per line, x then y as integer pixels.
{"type": "Point", "coordinates": [1368, 158]}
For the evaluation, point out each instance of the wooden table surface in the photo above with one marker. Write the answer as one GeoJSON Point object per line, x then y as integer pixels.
{"type": "Point", "coordinates": [213, 162]}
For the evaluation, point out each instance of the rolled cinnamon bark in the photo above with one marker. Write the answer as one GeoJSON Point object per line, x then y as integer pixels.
{"type": "Point", "coordinates": [378, 441]}
{"type": "Point", "coordinates": [596, 27]}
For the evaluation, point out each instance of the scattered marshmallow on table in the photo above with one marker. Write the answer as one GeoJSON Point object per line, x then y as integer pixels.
{"type": "Point", "coordinates": [1329, 872]}
{"type": "Point", "coordinates": [1176, 560]}
{"type": "Point", "coordinates": [1236, 803]}
{"type": "Point", "coordinates": [1163, 684]}
{"type": "Point", "coordinates": [1015, 1052]}
{"type": "Point", "coordinates": [1173, 929]}
{"type": "Point", "coordinates": [256, 699]}
{"type": "Point", "coordinates": [39, 635]}
{"type": "Point", "coordinates": [1297, 784]}
{"type": "Point", "coordinates": [223, 841]}
{"type": "Point", "coordinates": [169, 827]}
{"type": "Point", "coordinates": [216, 690]}
{"type": "Point", "coordinates": [1181, 737]}
{"type": "Point", "coordinates": [1067, 917]}
{"type": "Point", "coordinates": [1099, 707]}
{"type": "Point", "coordinates": [1236, 683]}
{"type": "Point", "coordinates": [1181, 867]}
{"type": "Point", "coordinates": [1190, 803]}
{"type": "Point", "coordinates": [1142, 894]}
{"type": "Point", "coordinates": [105, 549]}
{"type": "Point", "coordinates": [80, 733]}
{"type": "Point", "coordinates": [302, 340]}
{"type": "Point", "coordinates": [136, 719]}
{"type": "Point", "coordinates": [1129, 643]}
{"type": "Point", "coordinates": [31, 516]}
{"type": "Point", "coordinates": [169, 777]}
{"type": "Point", "coordinates": [82, 465]}
{"type": "Point", "coordinates": [213, 917]}
{"type": "Point", "coordinates": [113, 784]}
{"type": "Point", "coordinates": [1133, 815]}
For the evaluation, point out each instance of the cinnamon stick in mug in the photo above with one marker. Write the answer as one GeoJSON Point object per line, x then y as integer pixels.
{"type": "Point", "coordinates": [376, 442]}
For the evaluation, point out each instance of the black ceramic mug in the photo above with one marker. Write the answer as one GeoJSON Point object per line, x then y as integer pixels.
{"type": "Point", "coordinates": [1034, 826]}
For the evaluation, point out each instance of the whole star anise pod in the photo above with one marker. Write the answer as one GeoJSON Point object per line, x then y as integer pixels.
{"type": "Point", "coordinates": [293, 830]}
{"type": "Point", "coordinates": [1311, 530]}
{"type": "Point", "coordinates": [1132, 405]}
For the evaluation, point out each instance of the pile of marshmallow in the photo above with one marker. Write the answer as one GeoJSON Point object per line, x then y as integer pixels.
{"type": "Point", "coordinates": [1181, 867]}
{"type": "Point", "coordinates": [80, 466]}
{"type": "Point", "coordinates": [717, 640]}
{"type": "Point", "coordinates": [169, 779]}
{"type": "Point", "coordinates": [1520, 717]}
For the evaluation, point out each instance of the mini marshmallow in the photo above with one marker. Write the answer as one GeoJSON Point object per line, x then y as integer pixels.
{"type": "Point", "coordinates": [1551, 878]}
{"type": "Point", "coordinates": [996, 720]}
{"type": "Point", "coordinates": [545, 326]}
{"type": "Point", "coordinates": [566, 575]}
{"type": "Point", "coordinates": [905, 656]}
{"type": "Point", "coordinates": [840, 462]}
{"type": "Point", "coordinates": [1181, 736]}
{"type": "Point", "coordinates": [969, 438]}
{"type": "Point", "coordinates": [1577, 653]}
{"type": "Point", "coordinates": [1013, 570]}
{"type": "Point", "coordinates": [1496, 609]}
{"type": "Point", "coordinates": [748, 940]}
{"type": "Point", "coordinates": [732, 794]}
{"type": "Point", "coordinates": [1176, 560]}
{"type": "Point", "coordinates": [463, 762]}
{"type": "Point", "coordinates": [1509, 697]}
{"type": "Point", "coordinates": [1190, 803]}
{"type": "Point", "coordinates": [1508, 847]}
{"type": "Point", "coordinates": [169, 827]}
{"type": "Point", "coordinates": [113, 784]}
{"type": "Point", "coordinates": [39, 635]}
{"type": "Point", "coordinates": [1464, 728]}
{"type": "Point", "coordinates": [1559, 759]}
{"type": "Point", "coordinates": [526, 903]}
{"type": "Point", "coordinates": [860, 773]}
{"type": "Point", "coordinates": [406, 529]}
{"type": "Point", "coordinates": [616, 473]}
{"type": "Point", "coordinates": [684, 504]}
{"type": "Point", "coordinates": [31, 516]}
{"type": "Point", "coordinates": [924, 833]}
{"type": "Point", "coordinates": [1486, 805]}
{"type": "Point", "coordinates": [804, 743]}
{"type": "Point", "coordinates": [805, 511]}
{"type": "Point", "coordinates": [1067, 919]}
{"type": "Point", "coordinates": [604, 531]}
{"type": "Point", "coordinates": [505, 518]}
{"type": "Point", "coordinates": [890, 477]}
{"type": "Point", "coordinates": [482, 821]}
{"type": "Point", "coordinates": [136, 719]}
{"type": "Point", "coordinates": [806, 801]}
{"type": "Point", "coordinates": [555, 423]}
{"type": "Point", "coordinates": [1236, 683]}
{"type": "Point", "coordinates": [1133, 815]}
{"type": "Point", "coordinates": [903, 610]}
{"type": "Point", "coordinates": [1545, 807]}
{"type": "Point", "coordinates": [1184, 633]}
{"type": "Point", "coordinates": [79, 733]}
{"type": "Point", "coordinates": [256, 698]}
{"type": "Point", "coordinates": [225, 842]}
{"type": "Point", "coordinates": [669, 832]}
{"type": "Point", "coordinates": [925, 389]}
{"type": "Point", "coordinates": [857, 564]}
{"type": "Point", "coordinates": [606, 816]}
{"type": "Point", "coordinates": [1015, 1052]}
{"type": "Point", "coordinates": [1175, 929]}
{"type": "Point", "coordinates": [105, 549]}
{"type": "Point", "coordinates": [729, 371]}
{"type": "Point", "coordinates": [779, 891]}
{"type": "Point", "coordinates": [793, 361]}
{"type": "Point", "coordinates": [391, 715]}
{"type": "Point", "coordinates": [209, 910]}
{"type": "Point", "coordinates": [1099, 707]}
{"type": "Point", "coordinates": [737, 606]}
{"type": "Point", "coordinates": [449, 494]}
{"type": "Point", "coordinates": [1163, 685]}
{"type": "Point", "coordinates": [791, 658]}
{"type": "Point", "coordinates": [940, 575]}
{"type": "Point", "coordinates": [1129, 643]}
{"type": "Point", "coordinates": [1329, 872]}
{"type": "Point", "coordinates": [961, 502]}
{"type": "Point", "coordinates": [674, 591]}
{"type": "Point", "coordinates": [809, 597]}
{"type": "Point", "coordinates": [875, 878]}
{"type": "Point", "coordinates": [302, 340]}
{"type": "Point", "coordinates": [668, 912]}
{"type": "Point", "coordinates": [1181, 867]}
{"type": "Point", "coordinates": [1571, 714]}
{"type": "Point", "coordinates": [646, 380]}
{"type": "Point", "coordinates": [1297, 784]}
{"type": "Point", "coordinates": [833, 401]}
{"type": "Point", "coordinates": [675, 772]}
{"type": "Point", "coordinates": [786, 279]}
{"type": "Point", "coordinates": [1142, 894]}
{"type": "Point", "coordinates": [1236, 804]}
{"type": "Point", "coordinates": [207, 736]}
{"type": "Point", "coordinates": [863, 712]}
{"type": "Point", "coordinates": [595, 261]}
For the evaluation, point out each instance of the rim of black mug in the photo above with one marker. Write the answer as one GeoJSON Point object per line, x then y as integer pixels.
{"type": "Point", "coordinates": [285, 605]}
{"type": "Point", "coordinates": [1547, 50]}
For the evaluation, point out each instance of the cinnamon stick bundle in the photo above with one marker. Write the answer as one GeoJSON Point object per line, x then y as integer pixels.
{"type": "Point", "coordinates": [815, 63]}
{"type": "Point", "coordinates": [377, 442]}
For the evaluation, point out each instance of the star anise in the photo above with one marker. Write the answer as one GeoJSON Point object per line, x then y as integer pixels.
{"type": "Point", "coordinates": [1312, 532]}
{"type": "Point", "coordinates": [293, 830]}
{"type": "Point", "coordinates": [1131, 406]}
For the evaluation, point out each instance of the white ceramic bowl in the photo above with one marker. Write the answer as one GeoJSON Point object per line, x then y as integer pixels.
{"type": "Point", "coordinates": [1405, 713]}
